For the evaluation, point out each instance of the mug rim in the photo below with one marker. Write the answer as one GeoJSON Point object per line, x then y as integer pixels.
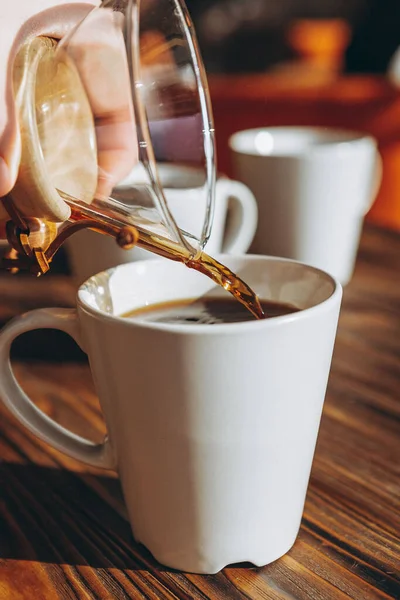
{"type": "Point", "coordinates": [335, 137]}
{"type": "Point", "coordinates": [221, 328]}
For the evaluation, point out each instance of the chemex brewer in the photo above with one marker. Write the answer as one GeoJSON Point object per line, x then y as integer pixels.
{"type": "Point", "coordinates": [124, 94]}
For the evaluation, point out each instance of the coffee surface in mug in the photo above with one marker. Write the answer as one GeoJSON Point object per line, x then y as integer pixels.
{"type": "Point", "coordinates": [205, 311]}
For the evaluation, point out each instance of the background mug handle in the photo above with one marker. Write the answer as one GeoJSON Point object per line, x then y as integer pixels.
{"type": "Point", "coordinates": [36, 421]}
{"type": "Point", "coordinates": [242, 218]}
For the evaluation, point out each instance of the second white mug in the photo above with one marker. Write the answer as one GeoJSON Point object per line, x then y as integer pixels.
{"type": "Point", "coordinates": [313, 188]}
{"type": "Point", "coordinates": [234, 225]}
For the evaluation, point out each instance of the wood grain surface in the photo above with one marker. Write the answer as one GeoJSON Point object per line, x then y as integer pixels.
{"type": "Point", "coordinates": [63, 528]}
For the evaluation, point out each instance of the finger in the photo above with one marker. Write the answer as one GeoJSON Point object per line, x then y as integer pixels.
{"type": "Point", "coordinates": [117, 151]}
{"type": "Point", "coordinates": [9, 138]}
{"type": "Point", "coordinates": [99, 53]}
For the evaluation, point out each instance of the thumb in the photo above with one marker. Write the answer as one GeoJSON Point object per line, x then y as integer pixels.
{"type": "Point", "coordinates": [10, 149]}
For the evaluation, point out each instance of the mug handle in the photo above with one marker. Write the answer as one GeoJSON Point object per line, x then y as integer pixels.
{"type": "Point", "coordinates": [243, 219]}
{"type": "Point", "coordinates": [38, 423]}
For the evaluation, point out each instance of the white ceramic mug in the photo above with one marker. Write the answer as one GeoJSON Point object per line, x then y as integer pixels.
{"type": "Point", "coordinates": [234, 224]}
{"type": "Point", "coordinates": [212, 428]}
{"type": "Point", "coordinates": [313, 188]}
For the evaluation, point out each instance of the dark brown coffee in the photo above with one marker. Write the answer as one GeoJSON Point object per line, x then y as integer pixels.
{"type": "Point", "coordinates": [205, 311]}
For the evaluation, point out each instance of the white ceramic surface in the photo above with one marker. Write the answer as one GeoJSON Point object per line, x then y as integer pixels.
{"type": "Point", "coordinates": [234, 224]}
{"type": "Point", "coordinates": [212, 428]}
{"type": "Point", "coordinates": [313, 188]}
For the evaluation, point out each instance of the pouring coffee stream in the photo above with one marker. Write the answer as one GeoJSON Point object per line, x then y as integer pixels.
{"type": "Point", "coordinates": [60, 153]}
{"type": "Point", "coordinates": [37, 259]}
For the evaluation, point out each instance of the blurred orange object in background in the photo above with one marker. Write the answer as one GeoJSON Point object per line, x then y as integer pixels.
{"type": "Point", "coordinates": [320, 42]}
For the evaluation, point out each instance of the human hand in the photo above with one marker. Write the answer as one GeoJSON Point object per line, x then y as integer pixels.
{"type": "Point", "coordinates": [114, 123]}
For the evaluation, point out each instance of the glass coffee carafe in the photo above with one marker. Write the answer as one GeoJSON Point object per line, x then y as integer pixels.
{"type": "Point", "coordinates": [108, 118]}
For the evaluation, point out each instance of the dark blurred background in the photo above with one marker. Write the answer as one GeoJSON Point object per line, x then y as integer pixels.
{"type": "Point", "coordinates": [252, 35]}
{"type": "Point", "coordinates": [325, 63]}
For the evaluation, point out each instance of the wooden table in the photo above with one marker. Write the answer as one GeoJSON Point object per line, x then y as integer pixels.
{"type": "Point", "coordinates": [63, 528]}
